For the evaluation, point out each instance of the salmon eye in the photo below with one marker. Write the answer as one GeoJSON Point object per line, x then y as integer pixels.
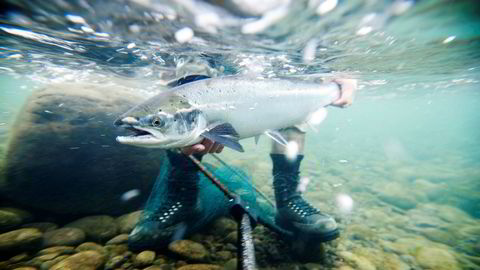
{"type": "Point", "coordinates": [157, 122]}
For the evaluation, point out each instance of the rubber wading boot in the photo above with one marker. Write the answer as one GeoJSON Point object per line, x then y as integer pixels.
{"type": "Point", "coordinates": [293, 212]}
{"type": "Point", "coordinates": [160, 224]}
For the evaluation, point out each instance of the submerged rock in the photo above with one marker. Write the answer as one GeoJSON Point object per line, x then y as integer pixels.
{"type": "Point", "coordinates": [57, 249]}
{"type": "Point", "coordinates": [397, 195]}
{"type": "Point", "coordinates": [22, 239]}
{"type": "Point", "coordinates": [127, 222]}
{"type": "Point", "coordinates": [358, 262]}
{"type": "Point", "coordinates": [9, 220]}
{"type": "Point", "coordinates": [231, 264]}
{"type": "Point", "coordinates": [92, 246]}
{"type": "Point", "coordinates": [145, 258]}
{"type": "Point", "coordinates": [200, 267]}
{"type": "Point", "coordinates": [97, 228]}
{"type": "Point", "coordinates": [115, 262]}
{"type": "Point", "coordinates": [189, 250]}
{"type": "Point", "coordinates": [62, 156]}
{"type": "Point", "coordinates": [119, 239]}
{"type": "Point", "coordinates": [85, 260]}
{"type": "Point", "coordinates": [436, 258]}
{"type": "Point", "coordinates": [42, 226]}
{"type": "Point", "coordinates": [63, 237]}
{"type": "Point", "coordinates": [223, 226]}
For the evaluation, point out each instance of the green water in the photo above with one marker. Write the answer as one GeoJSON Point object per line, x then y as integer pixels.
{"type": "Point", "coordinates": [407, 152]}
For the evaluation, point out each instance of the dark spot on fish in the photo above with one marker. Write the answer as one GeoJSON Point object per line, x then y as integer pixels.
{"type": "Point", "coordinates": [191, 116]}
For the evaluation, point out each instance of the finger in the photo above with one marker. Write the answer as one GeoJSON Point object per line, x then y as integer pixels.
{"type": "Point", "coordinates": [219, 149]}
{"type": "Point", "coordinates": [193, 149]}
{"type": "Point", "coordinates": [214, 148]}
{"type": "Point", "coordinates": [198, 148]}
{"type": "Point", "coordinates": [208, 145]}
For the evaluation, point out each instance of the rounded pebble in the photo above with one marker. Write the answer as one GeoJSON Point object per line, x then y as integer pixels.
{"type": "Point", "coordinates": [188, 249]}
{"type": "Point", "coordinates": [91, 246]}
{"type": "Point", "coordinates": [9, 220]}
{"type": "Point", "coordinates": [97, 228]}
{"type": "Point", "coordinates": [200, 267]}
{"type": "Point", "coordinates": [119, 239]}
{"type": "Point", "coordinates": [22, 239]}
{"type": "Point", "coordinates": [85, 260]}
{"type": "Point", "coordinates": [145, 258]}
{"type": "Point", "coordinates": [127, 222]}
{"type": "Point", "coordinates": [63, 237]}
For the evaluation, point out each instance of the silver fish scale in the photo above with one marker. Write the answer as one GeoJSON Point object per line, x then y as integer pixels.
{"type": "Point", "coordinates": [252, 106]}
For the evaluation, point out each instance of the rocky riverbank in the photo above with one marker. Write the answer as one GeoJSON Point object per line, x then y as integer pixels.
{"type": "Point", "coordinates": [383, 240]}
{"type": "Point", "coordinates": [100, 242]}
{"type": "Point", "coordinates": [403, 216]}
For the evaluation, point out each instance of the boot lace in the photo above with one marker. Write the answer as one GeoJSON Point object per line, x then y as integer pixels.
{"type": "Point", "coordinates": [302, 207]}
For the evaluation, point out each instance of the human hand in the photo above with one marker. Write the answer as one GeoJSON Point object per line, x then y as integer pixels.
{"type": "Point", "coordinates": [347, 92]}
{"type": "Point", "coordinates": [204, 147]}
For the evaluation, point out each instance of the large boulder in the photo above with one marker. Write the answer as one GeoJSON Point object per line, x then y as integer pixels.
{"type": "Point", "coordinates": [62, 156]}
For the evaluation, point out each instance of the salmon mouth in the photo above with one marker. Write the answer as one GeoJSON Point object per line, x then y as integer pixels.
{"type": "Point", "coordinates": [140, 136]}
{"type": "Point", "coordinates": [137, 132]}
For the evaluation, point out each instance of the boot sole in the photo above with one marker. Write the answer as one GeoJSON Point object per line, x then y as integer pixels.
{"type": "Point", "coordinates": [319, 237]}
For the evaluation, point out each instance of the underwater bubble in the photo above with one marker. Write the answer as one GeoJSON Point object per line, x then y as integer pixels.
{"type": "Point", "coordinates": [309, 51]}
{"type": "Point", "coordinates": [209, 21]}
{"type": "Point", "coordinates": [130, 194]}
{"type": "Point", "coordinates": [184, 35]}
{"type": "Point", "coordinates": [344, 203]}
{"type": "Point", "coordinates": [326, 6]}
{"type": "Point", "coordinates": [291, 150]}
{"type": "Point", "coordinates": [75, 19]}
{"type": "Point", "coordinates": [449, 39]}
{"type": "Point", "coordinates": [364, 30]}
{"type": "Point", "coordinates": [302, 184]}
{"type": "Point", "coordinates": [87, 29]}
{"type": "Point", "coordinates": [134, 28]}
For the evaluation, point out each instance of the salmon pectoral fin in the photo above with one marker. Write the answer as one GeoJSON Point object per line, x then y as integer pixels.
{"type": "Point", "coordinates": [226, 140]}
{"type": "Point", "coordinates": [225, 134]}
{"type": "Point", "coordinates": [223, 129]}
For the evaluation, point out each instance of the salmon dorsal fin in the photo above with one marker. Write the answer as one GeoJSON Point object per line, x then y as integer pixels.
{"type": "Point", "coordinates": [187, 79]}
